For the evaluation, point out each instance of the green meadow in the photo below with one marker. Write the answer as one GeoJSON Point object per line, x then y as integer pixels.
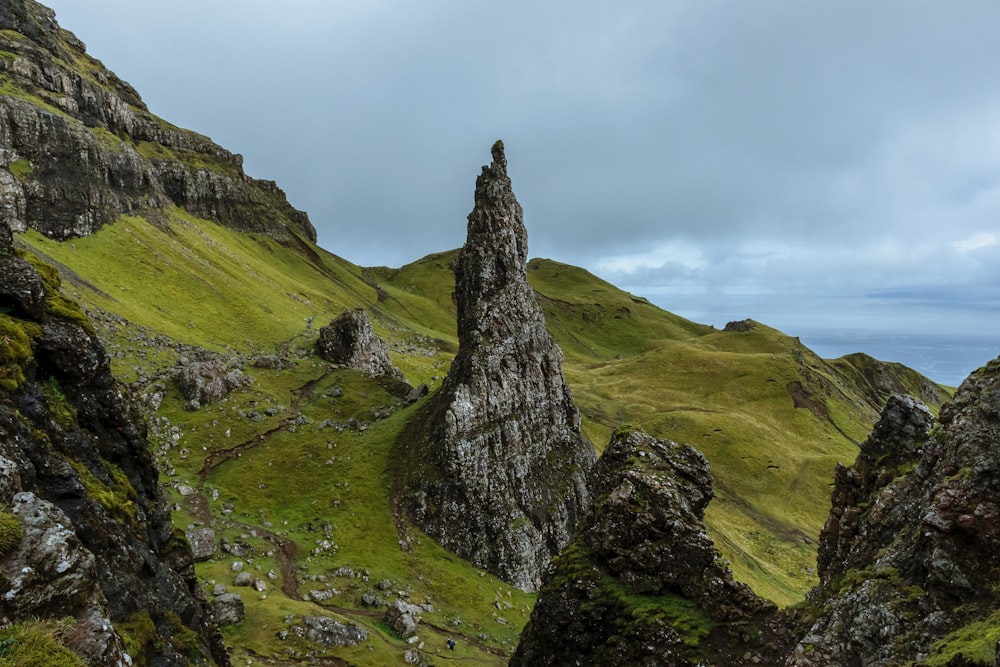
{"type": "Point", "coordinates": [297, 468]}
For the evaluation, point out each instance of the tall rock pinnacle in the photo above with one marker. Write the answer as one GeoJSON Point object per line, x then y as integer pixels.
{"type": "Point", "coordinates": [500, 478]}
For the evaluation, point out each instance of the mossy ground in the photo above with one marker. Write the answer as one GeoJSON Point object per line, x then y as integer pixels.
{"type": "Point", "coordinates": [192, 282]}
{"type": "Point", "coordinates": [35, 644]}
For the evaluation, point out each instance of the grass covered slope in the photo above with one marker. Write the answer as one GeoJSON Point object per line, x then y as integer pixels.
{"type": "Point", "coordinates": [772, 418]}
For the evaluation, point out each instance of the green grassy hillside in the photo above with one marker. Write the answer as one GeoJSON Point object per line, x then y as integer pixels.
{"type": "Point", "coordinates": [281, 468]}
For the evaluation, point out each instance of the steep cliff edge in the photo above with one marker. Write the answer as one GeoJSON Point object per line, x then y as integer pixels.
{"type": "Point", "coordinates": [910, 558]}
{"type": "Point", "coordinates": [497, 463]}
{"type": "Point", "coordinates": [79, 148]}
{"type": "Point", "coordinates": [85, 536]}
{"type": "Point", "coordinates": [641, 582]}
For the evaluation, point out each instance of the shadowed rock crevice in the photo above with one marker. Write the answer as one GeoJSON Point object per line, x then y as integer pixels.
{"type": "Point", "coordinates": [498, 459]}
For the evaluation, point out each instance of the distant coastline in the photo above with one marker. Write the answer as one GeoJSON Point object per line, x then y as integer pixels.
{"type": "Point", "coordinates": [945, 342]}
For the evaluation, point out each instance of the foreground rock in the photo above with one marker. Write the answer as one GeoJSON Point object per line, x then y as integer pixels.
{"type": "Point", "coordinates": [86, 535]}
{"type": "Point", "coordinates": [496, 472]}
{"type": "Point", "coordinates": [641, 582]}
{"type": "Point", "coordinates": [910, 557]}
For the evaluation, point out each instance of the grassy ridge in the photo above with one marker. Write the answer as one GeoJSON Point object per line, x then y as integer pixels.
{"type": "Point", "coordinates": [296, 480]}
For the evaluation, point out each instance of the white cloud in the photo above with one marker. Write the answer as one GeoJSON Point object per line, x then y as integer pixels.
{"type": "Point", "coordinates": [977, 242]}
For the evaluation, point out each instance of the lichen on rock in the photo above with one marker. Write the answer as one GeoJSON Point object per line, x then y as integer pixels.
{"type": "Point", "coordinates": [498, 467]}
{"type": "Point", "coordinates": [641, 583]}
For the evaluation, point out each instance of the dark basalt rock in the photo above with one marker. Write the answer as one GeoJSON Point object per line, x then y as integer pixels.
{"type": "Point", "coordinates": [911, 552]}
{"type": "Point", "coordinates": [76, 468]}
{"type": "Point", "coordinates": [642, 562]}
{"type": "Point", "coordinates": [497, 472]}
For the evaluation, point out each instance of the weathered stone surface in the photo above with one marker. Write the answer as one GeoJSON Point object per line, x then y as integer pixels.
{"type": "Point", "coordinates": [52, 573]}
{"type": "Point", "coordinates": [643, 543]}
{"type": "Point", "coordinates": [22, 291]}
{"type": "Point", "coordinates": [501, 478]}
{"type": "Point", "coordinates": [915, 533]}
{"type": "Point", "coordinates": [350, 340]}
{"type": "Point", "coordinates": [64, 421]}
{"type": "Point", "coordinates": [101, 153]}
{"type": "Point", "coordinates": [403, 617]}
{"type": "Point", "coordinates": [204, 382]}
{"type": "Point", "coordinates": [203, 544]}
{"type": "Point", "coordinates": [227, 609]}
{"type": "Point", "coordinates": [330, 632]}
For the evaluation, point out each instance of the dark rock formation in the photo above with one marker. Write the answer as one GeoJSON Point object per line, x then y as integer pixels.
{"type": "Point", "coordinates": [501, 478]}
{"type": "Point", "coordinates": [911, 553]}
{"type": "Point", "coordinates": [739, 326]}
{"type": "Point", "coordinates": [96, 542]}
{"type": "Point", "coordinates": [350, 340]}
{"type": "Point", "coordinates": [641, 583]}
{"type": "Point", "coordinates": [78, 148]}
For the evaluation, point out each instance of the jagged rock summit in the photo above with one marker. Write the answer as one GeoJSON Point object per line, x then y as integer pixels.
{"type": "Point", "coordinates": [79, 148]}
{"type": "Point", "coordinates": [497, 474]}
{"type": "Point", "coordinates": [641, 583]}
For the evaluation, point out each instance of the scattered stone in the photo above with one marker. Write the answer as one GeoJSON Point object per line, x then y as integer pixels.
{"type": "Point", "coordinates": [243, 579]}
{"type": "Point", "coordinates": [227, 609]}
{"type": "Point", "coordinates": [403, 617]}
{"type": "Point", "coordinates": [202, 542]}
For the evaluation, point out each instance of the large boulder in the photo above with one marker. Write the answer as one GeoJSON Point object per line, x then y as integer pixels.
{"type": "Point", "coordinates": [350, 340]}
{"type": "Point", "coordinates": [642, 583]}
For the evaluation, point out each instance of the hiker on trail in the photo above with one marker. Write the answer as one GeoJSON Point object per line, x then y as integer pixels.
{"type": "Point", "coordinates": [451, 644]}
{"type": "Point", "coordinates": [309, 322]}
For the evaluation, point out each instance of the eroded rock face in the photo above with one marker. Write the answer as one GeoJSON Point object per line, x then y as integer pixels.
{"type": "Point", "coordinates": [76, 469]}
{"type": "Point", "coordinates": [501, 479]}
{"type": "Point", "coordinates": [101, 154]}
{"type": "Point", "coordinates": [350, 340]}
{"type": "Point", "coordinates": [642, 551]}
{"type": "Point", "coordinates": [911, 552]}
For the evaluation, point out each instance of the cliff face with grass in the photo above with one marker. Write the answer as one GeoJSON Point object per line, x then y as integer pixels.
{"type": "Point", "coordinates": [910, 557]}
{"type": "Point", "coordinates": [78, 148]}
{"type": "Point", "coordinates": [88, 554]}
{"type": "Point", "coordinates": [504, 462]}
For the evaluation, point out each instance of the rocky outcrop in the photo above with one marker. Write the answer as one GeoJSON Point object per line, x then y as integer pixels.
{"type": "Point", "coordinates": [641, 583]}
{"type": "Point", "coordinates": [208, 381]}
{"type": "Point", "coordinates": [910, 557]}
{"type": "Point", "coordinates": [350, 340]}
{"type": "Point", "coordinates": [496, 465]}
{"type": "Point", "coordinates": [79, 148]}
{"type": "Point", "coordinates": [95, 542]}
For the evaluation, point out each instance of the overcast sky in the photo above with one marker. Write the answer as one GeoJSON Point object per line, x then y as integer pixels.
{"type": "Point", "coordinates": [812, 165]}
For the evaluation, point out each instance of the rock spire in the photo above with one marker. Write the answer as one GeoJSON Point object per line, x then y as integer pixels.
{"type": "Point", "coordinates": [499, 474]}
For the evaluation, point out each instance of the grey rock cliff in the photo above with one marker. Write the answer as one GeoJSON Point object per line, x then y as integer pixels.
{"type": "Point", "coordinates": [498, 472]}
{"type": "Point", "coordinates": [911, 552]}
{"type": "Point", "coordinates": [79, 148]}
